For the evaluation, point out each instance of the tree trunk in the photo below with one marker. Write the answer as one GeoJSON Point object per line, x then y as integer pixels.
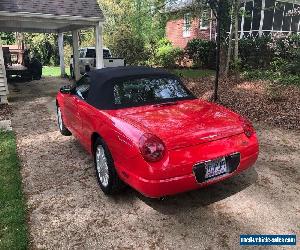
{"type": "Point", "coordinates": [216, 97]}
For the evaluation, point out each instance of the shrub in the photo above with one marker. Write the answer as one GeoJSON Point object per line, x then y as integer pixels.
{"type": "Point", "coordinates": [274, 77]}
{"type": "Point", "coordinates": [128, 45]}
{"type": "Point", "coordinates": [166, 55]}
{"type": "Point", "coordinates": [278, 52]}
{"type": "Point", "coordinates": [44, 47]}
{"type": "Point", "coordinates": [255, 53]}
{"type": "Point", "coordinates": [275, 58]}
{"type": "Point", "coordinates": [202, 52]}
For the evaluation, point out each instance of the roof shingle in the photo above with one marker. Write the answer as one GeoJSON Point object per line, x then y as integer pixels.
{"type": "Point", "coordinates": [84, 8]}
{"type": "Point", "coordinates": [175, 5]}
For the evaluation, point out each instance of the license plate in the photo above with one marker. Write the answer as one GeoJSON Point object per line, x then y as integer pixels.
{"type": "Point", "coordinates": [215, 168]}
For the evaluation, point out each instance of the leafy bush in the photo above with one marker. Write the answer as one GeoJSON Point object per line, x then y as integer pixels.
{"type": "Point", "coordinates": [274, 58]}
{"type": "Point", "coordinates": [44, 47]}
{"type": "Point", "coordinates": [166, 55]}
{"type": "Point", "coordinates": [274, 77]}
{"type": "Point", "coordinates": [128, 45]}
{"type": "Point", "coordinates": [287, 52]}
{"type": "Point", "coordinates": [278, 52]}
{"type": "Point", "coordinates": [255, 53]}
{"type": "Point", "coordinates": [202, 52]}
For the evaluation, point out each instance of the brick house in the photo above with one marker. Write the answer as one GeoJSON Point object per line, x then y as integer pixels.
{"type": "Point", "coordinates": [260, 17]}
{"type": "Point", "coordinates": [182, 29]}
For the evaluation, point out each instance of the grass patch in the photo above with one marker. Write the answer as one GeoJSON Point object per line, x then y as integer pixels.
{"type": "Point", "coordinates": [13, 229]}
{"type": "Point", "coordinates": [193, 73]}
{"type": "Point", "coordinates": [272, 76]}
{"type": "Point", "coordinates": [53, 71]}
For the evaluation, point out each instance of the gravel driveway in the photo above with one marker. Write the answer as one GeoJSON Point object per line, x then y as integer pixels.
{"type": "Point", "coordinates": [67, 210]}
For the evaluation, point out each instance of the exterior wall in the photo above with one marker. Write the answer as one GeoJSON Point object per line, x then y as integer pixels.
{"type": "Point", "coordinates": [3, 80]}
{"type": "Point", "coordinates": [264, 17]}
{"type": "Point", "coordinates": [175, 28]}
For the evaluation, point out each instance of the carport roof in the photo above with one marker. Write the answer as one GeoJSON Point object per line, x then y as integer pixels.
{"type": "Point", "coordinates": [48, 16]}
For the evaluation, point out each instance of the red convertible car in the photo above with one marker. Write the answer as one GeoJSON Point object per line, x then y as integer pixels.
{"type": "Point", "coordinates": [145, 129]}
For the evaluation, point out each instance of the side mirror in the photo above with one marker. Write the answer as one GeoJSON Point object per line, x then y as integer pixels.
{"type": "Point", "coordinates": [68, 89]}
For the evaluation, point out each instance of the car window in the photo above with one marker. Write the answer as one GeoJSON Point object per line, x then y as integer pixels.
{"type": "Point", "coordinates": [82, 87]}
{"type": "Point", "coordinates": [106, 53]}
{"type": "Point", "coordinates": [149, 90]}
{"type": "Point", "coordinates": [91, 53]}
{"type": "Point", "coordinates": [81, 54]}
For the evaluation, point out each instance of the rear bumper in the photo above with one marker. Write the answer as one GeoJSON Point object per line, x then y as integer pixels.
{"type": "Point", "coordinates": [171, 186]}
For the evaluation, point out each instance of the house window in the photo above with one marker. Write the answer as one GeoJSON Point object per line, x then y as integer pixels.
{"type": "Point", "coordinates": [248, 16]}
{"type": "Point", "coordinates": [187, 23]}
{"type": "Point", "coordinates": [205, 20]}
{"type": "Point", "coordinates": [269, 12]}
{"type": "Point", "coordinates": [295, 20]}
{"type": "Point", "coordinates": [287, 19]}
{"type": "Point", "coordinates": [278, 16]}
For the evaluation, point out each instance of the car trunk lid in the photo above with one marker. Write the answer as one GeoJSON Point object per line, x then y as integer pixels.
{"type": "Point", "coordinates": [184, 123]}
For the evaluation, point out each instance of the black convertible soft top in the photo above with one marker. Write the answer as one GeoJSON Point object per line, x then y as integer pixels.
{"type": "Point", "coordinates": [102, 82]}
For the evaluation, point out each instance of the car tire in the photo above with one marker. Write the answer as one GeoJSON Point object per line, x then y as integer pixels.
{"type": "Point", "coordinates": [87, 68]}
{"type": "Point", "coordinates": [62, 128]}
{"type": "Point", "coordinates": [107, 176]}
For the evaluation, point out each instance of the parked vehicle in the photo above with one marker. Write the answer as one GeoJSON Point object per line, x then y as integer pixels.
{"type": "Point", "coordinates": [18, 62]}
{"type": "Point", "coordinates": [87, 60]}
{"type": "Point", "coordinates": [145, 129]}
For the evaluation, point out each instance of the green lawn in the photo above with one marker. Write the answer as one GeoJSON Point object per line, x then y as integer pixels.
{"type": "Point", "coordinates": [187, 73]}
{"type": "Point", "coordinates": [53, 71]}
{"type": "Point", "coordinates": [193, 73]}
{"type": "Point", "coordinates": [13, 229]}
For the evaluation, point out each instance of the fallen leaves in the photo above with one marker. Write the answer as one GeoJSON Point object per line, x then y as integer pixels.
{"type": "Point", "coordinates": [5, 112]}
{"type": "Point", "coordinates": [259, 101]}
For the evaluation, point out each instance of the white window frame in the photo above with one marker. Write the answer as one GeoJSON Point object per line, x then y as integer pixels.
{"type": "Point", "coordinates": [187, 25]}
{"type": "Point", "coordinates": [201, 20]}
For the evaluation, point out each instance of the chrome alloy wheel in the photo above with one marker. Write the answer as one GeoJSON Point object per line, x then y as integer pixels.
{"type": "Point", "coordinates": [59, 118]}
{"type": "Point", "coordinates": [102, 166]}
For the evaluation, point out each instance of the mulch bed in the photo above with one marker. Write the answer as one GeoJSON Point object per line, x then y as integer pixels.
{"type": "Point", "coordinates": [259, 101]}
{"type": "Point", "coordinates": [5, 112]}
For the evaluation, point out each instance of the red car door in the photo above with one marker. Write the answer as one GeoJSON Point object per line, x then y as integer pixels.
{"type": "Point", "coordinates": [88, 122]}
{"type": "Point", "coordinates": [76, 108]}
{"type": "Point", "coordinates": [72, 117]}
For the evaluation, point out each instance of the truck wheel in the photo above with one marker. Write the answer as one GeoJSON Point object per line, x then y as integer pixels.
{"type": "Point", "coordinates": [87, 68]}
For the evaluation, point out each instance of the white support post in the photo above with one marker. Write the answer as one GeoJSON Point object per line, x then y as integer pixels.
{"type": "Point", "coordinates": [262, 16]}
{"type": "Point", "coordinates": [76, 54]}
{"type": "Point", "coordinates": [99, 46]}
{"type": "Point", "coordinates": [61, 54]}
{"type": "Point", "coordinates": [210, 25]}
{"type": "Point", "coordinates": [3, 81]}
{"type": "Point", "coordinates": [253, 5]}
{"type": "Point", "coordinates": [273, 17]}
{"type": "Point", "coordinates": [243, 22]}
{"type": "Point", "coordinates": [283, 14]}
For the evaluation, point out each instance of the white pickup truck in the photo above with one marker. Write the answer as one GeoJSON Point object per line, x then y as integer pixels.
{"type": "Point", "coordinates": [87, 60]}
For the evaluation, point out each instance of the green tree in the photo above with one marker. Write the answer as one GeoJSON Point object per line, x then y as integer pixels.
{"type": "Point", "coordinates": [132, 28]}
{"type": "Point", "coordinates": [8, 38]}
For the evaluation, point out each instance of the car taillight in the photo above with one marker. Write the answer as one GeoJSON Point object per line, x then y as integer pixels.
{"type": "Point", "coordinates": [248, 127]}
{"type": "Point", "coordinates": [152, 148]}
